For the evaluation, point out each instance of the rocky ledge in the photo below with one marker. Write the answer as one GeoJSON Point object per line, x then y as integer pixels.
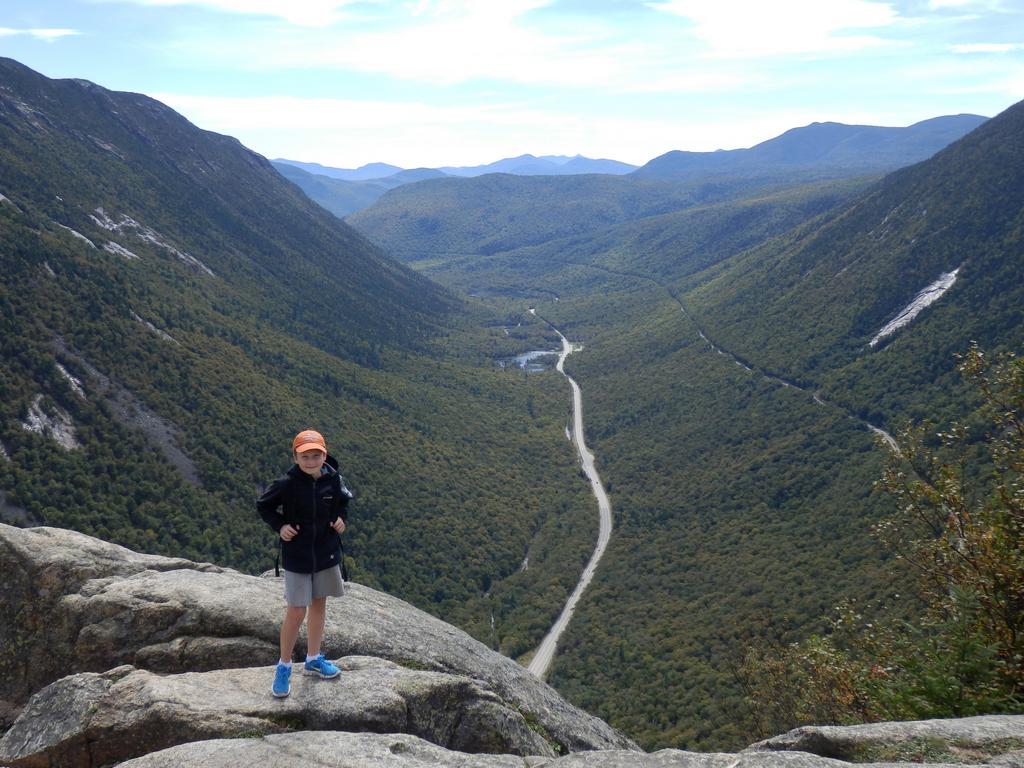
{"type": "Point", "coordinates": [156, 661]}
{"type": "Point", "coordinates": [95, 606]}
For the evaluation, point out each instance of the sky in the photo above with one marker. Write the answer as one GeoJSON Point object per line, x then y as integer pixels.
{"type": "Point", "coordinates": [430, 83]}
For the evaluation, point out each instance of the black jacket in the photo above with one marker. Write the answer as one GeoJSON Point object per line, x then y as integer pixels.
{"type": "Point", "coordinates": [312, 505]}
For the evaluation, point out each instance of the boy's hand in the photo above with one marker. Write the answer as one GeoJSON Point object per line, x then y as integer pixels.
{"type": "Point", "coordinates": [338, 525]}
{"type": "Point", "coordinates": [289, 532]}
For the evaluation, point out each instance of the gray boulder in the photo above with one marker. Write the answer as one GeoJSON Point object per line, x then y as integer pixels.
{"type": "Point", "coordinates": [967, 739]}
{"type": "Point", "coordinates": [325, 750]}
{"type": "Point", "coordinates": [124, 713]}
{"type": "Point", "coordinates": [95, 606]}
{"type": "Point", "coordinates": [674, 758]}
{"type": "Point", "coordinates": [349, 750]}
{"type": "Point", "coordinates": [1013, 759]}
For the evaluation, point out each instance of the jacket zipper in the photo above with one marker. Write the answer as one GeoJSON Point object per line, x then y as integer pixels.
{"type": "Point", "coordinates": [314, 526]}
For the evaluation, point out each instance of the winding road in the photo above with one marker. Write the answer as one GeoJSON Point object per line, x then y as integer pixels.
{"type": "Point", "coordinates": [545, 652]}
{"type": "Point", "coordinates": [543, 656]}
{"type": "Point", "coordinates": [943, 283]}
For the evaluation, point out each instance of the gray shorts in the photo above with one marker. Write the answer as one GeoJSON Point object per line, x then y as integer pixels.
{"type": "Point", "coordinates": [301, 588]}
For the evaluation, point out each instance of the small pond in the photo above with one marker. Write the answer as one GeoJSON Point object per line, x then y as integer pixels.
{"type": "Point", "coordinates": [534, 361]}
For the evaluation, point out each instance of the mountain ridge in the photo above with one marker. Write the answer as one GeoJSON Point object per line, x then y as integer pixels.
{"type": "Point", "coordinates": [174, 310]}
{"type": "Point", "coordinates": [151, 139]}
{"type": "Point", "coordinates": [878, 253]}
{"type": "Point", "coordinates": [827, 146]}
{"type": "Point", "coordinates": [842, 150]}
{"type": "Point", "coordinates": [525, 165]}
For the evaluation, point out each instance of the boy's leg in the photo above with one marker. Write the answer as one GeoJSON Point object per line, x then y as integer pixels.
{"type": "Point", "coordinates": [290, 625]}
{"type": "Point", "coordinates": [293, 617]}
{"type": "Point", "coordinates": [315, 625]}
{"type": "Point", "coordinates": [316, 664]}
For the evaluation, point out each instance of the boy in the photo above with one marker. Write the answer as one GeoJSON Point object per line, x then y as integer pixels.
{"type": "Point", "coordinates": [308, 508]}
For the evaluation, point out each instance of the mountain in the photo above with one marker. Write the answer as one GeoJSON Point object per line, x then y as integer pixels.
{"type": "Point", "coordinates": [173, 310]}
{"type": "Point", "coordinates": [958, 214]}
{"type": "Point", "coordinates": [466, 216]}
{"type": "Point", "coordinates": [779, 312]}
{"type": "Point", "coordinates": [816, 151]}
{"type": "Point", "coordinates": [362, 173]}
{"type": "Point", "coordinates": [548, 165]}
{"type": "Point", "coordinates": [342, 197]}
{"type": "Point", "coordinates": [523, 165]}
{"type": "Point", "coordinates": [731, 389]}
{"type": "Point", "coordinates": [826, 148]}
{"type": "Point", "coordinates": [343, 192]}
{"type": "Point", "coordinates": [499, 212]}
{"type": "Point", "coordinates": [733, 407]}
{"type": "Point", "coordinates": [655, 247]}
{"type": "Point", "coordinates": [580, 164]}
{"type": "Point", "coordinates": [414, 174]}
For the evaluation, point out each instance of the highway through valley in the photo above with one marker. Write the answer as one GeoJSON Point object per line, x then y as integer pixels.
{"type": "Point", "coordinates": [541, 661]}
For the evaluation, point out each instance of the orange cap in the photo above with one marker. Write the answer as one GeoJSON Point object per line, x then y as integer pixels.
{"type": "Point", "coordinates": [309, 440]}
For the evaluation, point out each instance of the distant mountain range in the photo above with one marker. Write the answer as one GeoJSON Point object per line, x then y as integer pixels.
{"type": "Point", "coordinates": [833, 146]}
{"type": "Point", "coordinates": [344, 196]}
{"type": "Point", "coordinates": [346, 190]}
{"type": "Point", "coordinates": [495, 213]}
{"type": "Point", "coordinates": [523, 165]}
{"type": "Point", "coordinates": [819, 150]}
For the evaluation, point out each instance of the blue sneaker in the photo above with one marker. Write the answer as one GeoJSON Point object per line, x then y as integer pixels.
{"type": "Point", "coordinates": [321, 666]}
{"type": "Point", "coordinates": [282, 685]}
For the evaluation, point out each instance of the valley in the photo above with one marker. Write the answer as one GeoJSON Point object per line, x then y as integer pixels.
{"type": "Point", "coordinates": [758, 328]}
{"type": "Point", "coordinates": [545, 653]}
{"type": "Point", "coordinates": [737, 411]}
{"type": "Point", "coordinates": [244, 313]}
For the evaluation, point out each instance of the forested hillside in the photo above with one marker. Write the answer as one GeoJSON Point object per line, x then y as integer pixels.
{"type": "Point", "coordinates": [730, 398]}
{"type": "Point", "coordinates": [172, 311]}
{"type": "Point", "coordinates": [810, 306]}
{"type": "Point", "coordinates": [440, 218]}
{"type": "Point", "coordinates": [344, 196]}
{"type": "Point", "coordinates": [447, 218]}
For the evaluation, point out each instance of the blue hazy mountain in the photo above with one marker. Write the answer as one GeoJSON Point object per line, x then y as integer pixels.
{"type": "Point", "coordinates": [343, 191]}
{"type": "Point", "coordinates": [362, 173]}
{"type": "Point", "coordinates": [822, 147]}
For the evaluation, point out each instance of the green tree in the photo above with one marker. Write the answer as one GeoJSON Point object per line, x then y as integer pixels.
{"type": "Point", "coordinates": [958, 538]}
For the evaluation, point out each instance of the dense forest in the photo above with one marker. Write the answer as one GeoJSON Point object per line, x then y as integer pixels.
{"type": "Point", "coordinates": [732, 396]}
{"type": "Point", "coordinates": [172, 312]}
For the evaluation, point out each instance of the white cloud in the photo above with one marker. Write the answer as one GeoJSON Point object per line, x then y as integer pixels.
{"type": "Point", "coordinates": [349, 133]}
{"type": "Point", "coordinates": [1009, 86]}
{"type": "Point", "coordinates": [448, 43]}
{"type": "Point", "coordinates": [937, 5]}
{"type": "Point", "coordinates": [302, 13]}
{"type": "Point", "coordinates": [455, 42]}
{"type": "Point", "coordinates": [690, 81]}
{"type": "Point", "coordinates": [47, 35]}
{"type": "Point", "coordinates": [738, 28]}
{"type": "Point", "coordinates": [985, 47]}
